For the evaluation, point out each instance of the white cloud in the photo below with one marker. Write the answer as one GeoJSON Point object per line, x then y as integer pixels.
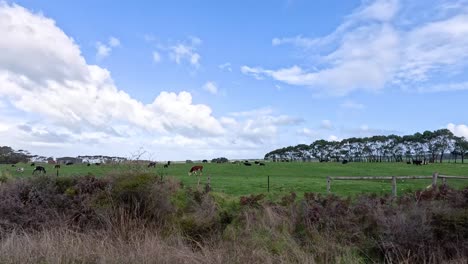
{"type": "Point", "coordinates": [82, 111]}
{"type": "Point", "coordinates": [305, 132]}
{"type": "Point", "coordinates": [79, 94]}
{"type": "Point", "coordinates": [156, 56]}
{"type": "Point", "coordinates": [210, 87]}
{"type": "Point", "coordinates": [448, 87]}
{"type": "Point", "coordinates": [380, 44]}
{"type": "Point", "coordinates": [349, 104]}
{"type": "Point", "coordinates": [104, 50]}
{"type": "Point", "coordinates": [326, 124]}
{"type": "Point", "coordinates": [225, 66]}
{"type": "Point", "coordinates": [114, 42]}
{"type": "Point", "coordinates": [181, 52]}
{"type": "Point", "coordinates": [333, 138]}
{"type": "Point", "coordinates": [298, 41]}
{"type": "Point", "coordinates": [381, 10]}
{"type": "Point", "coordinates": [458, 130]}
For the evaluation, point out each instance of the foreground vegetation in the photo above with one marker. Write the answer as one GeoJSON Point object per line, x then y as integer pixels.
{"type": "Point", "coordinates": [285, 177]}
{"type": "Point", "coordinates": [136, 218]}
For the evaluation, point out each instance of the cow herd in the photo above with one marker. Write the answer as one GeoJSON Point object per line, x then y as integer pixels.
{"type": "Point", "coordinates": [197, 170]}
{"type": "Point", "coordinates": [417, 162]}
{"type": "Point", "coordinates": [248, 163]}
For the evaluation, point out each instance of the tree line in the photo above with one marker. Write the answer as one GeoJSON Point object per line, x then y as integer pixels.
{"type": "Point", "coordinates": [10, 156]}
{"type": "Point", "coordinates": [429, 146]}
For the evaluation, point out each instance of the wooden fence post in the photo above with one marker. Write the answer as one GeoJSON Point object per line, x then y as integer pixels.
{"type": "Point", "coordinates": [434, 180]}
{"type": "Point", "coordinates": [444, 181]}
{"type": "Point", "coordinates": [394, 186]}
{"type": "Point", "coordinates": [328, 184]}
{"type": "Point", "coordinates": [268, 183]}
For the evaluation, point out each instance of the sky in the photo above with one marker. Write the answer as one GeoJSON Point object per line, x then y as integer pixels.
{"type": "Point", "coordinates": [184, 80]}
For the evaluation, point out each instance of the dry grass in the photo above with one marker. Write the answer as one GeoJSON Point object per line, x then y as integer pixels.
{"type": "Point", "coordinates": [136, 218]}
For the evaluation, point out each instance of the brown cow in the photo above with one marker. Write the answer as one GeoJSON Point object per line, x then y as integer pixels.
{"type": "Point", "coordinates": [196, 169]}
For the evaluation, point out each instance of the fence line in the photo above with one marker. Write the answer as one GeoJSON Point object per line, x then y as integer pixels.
{"type": "Point", "coordinates": [394, 179]}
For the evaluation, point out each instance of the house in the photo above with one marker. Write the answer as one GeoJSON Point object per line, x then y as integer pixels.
{"type": "Point", "coordinates": [65, 160]}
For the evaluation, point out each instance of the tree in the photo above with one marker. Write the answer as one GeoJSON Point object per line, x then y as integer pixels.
{"type": "Point", "coordinates": [219, 160]}
{"type": "Point", "coordinates": [10, 156]}
{"type": "Point", "coordinates": [461, 147]}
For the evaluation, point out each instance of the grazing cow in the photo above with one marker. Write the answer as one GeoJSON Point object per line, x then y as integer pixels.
{"type": "Point", "coordinates": [152, 164]}
{"type": "Point", "coordinates": [57, 166]}
{"type": "Point", "coordinates": [417, 162]}
{"type": "Point", "coordinates": [166, 166]}
{"type": "Point", "coordinates": [69, 163]}
{"type": "Point", "coordinates": [88, 164]}
{"type": "Point", "coordinates": [408, 162]}
{"type": "Point", "coordinates": [13, 165]}
{"type": "Point", "coordinates": [39, 169]}
{"type": "Point", "coordinates": [344, 162]}
{"type": "Point", "coordinates": [256, 162]}
{"type": "Point", "coordinates": [168, 163]}
{"type": "Point", "coordinates": [261, 164]}
{"type": "Point", "coordinates": [97, 164]}
{"type": "Point", "coordinates": [33, 164]}
{"type": "Point", "coordinates": [205, 161]}
{"type": "Point", "coordinates": [247, 164]}
{"type": "Point", "coordinates": [196, 169]}
{"type": "Point", "coordinates": [20, 169]}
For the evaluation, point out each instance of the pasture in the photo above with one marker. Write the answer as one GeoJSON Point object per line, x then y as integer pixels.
{"type": "Point", "coordinates": [237, 179]}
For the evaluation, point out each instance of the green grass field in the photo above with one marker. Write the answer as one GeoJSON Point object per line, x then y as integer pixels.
{"type": "Point", "coordinates": [239, 180]}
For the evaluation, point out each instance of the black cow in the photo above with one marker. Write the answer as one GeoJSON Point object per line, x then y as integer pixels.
{"type": "Point", "coordinates": [344, 162]}
{"type": "Point", "coordinates": [247, 164]}
{"type": "Point", "coordinates": [168, 163]}
{"type": "Point", "coordinates": [261, 164]}
{"type": "Point", "coordinates": [204, 161]}
{"type": "Point", "coordinates": [417, 162]}
{"type": "Point", "coordinates": [98, 164]}
{"type": "Point", "coordinates": [13, 165]}
{"type": "Point", "coordinates": [166, 166]}
{"type": "Point", "coordinates": [33, 164]}
{"type": "Point", "coordinates": [69, 163]}
{"type": "Point", "coordinates": [39, 169]}
{"type": "Point", "coordinates": [88, 164]}
{"type": "Point", "coordinates": [152, 164]}
{"type": "Point", "coordinates": [256, 162]}
{"type": "Point", "coordinates": [408, 162]}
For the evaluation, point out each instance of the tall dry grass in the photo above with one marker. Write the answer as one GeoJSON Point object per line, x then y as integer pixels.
{"type": "Point", "coordinates": [137, 218]}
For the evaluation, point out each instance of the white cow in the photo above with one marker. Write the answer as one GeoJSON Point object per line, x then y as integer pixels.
{"type": "Point", "coordinates": [20, 169]}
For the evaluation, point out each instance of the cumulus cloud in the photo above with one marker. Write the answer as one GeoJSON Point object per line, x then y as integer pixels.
{"type": "Point", "coordinates": [104, 50]}
{"type": "Point", "coordinates": [210, 87]}
{"type": "Point", "coordinates": [78, 93]}
{"type": "Point", "coordinates": [82, 110]}
{"type": "Point", "coordinates": [382, 43]}
{"type": "Point", "coordinates": [460, 130]}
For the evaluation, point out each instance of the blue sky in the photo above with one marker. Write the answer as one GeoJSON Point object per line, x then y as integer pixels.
{"type": "Point", "coordinates": [192, 80]}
